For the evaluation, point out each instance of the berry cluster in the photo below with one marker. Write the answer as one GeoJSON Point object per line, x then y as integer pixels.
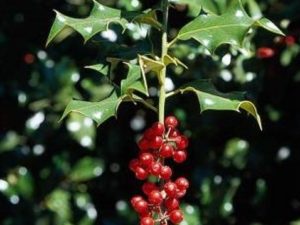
{"type": "Point", "coordinates": [160, 142]}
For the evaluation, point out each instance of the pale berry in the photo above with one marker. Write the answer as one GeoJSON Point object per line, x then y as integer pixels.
{"type": "Point", "coordinates": [182, 183]}
{"type": "Point", "coordinates": [166, 150]}
{"type": "Point", "coordinates": [180, 156]}
{"type": "Point", "coordinates": [148, 187]}
{"type": "Point", "coordinates": [176, 216]}
{"type": "Point", "coordinates": [158, 129]}
{"type": "Point", "coordinates": [171, 122]}
{"type": "Point", "coordinates": [165, 172]}
{"type": "Point", "coordinates": [180, 193]}
{"type": "Point", "coordinates": [147, 221]}
{"type": "Point", "coordinates": [155, 197]}
{"type": "Point", "coordinates": [170, 189]}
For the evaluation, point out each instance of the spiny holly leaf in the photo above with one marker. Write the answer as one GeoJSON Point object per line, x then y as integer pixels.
{"type": "Point", "coordinates": [211, 99]}
{"type": "Point", "coordinates": [229, 28]}
{"type": "Point", "coordinates": [135, 80]}
{"type": "Point", "coordinates": [102, 69]}
{"type": "Point", "coordinates": [98, 20]}
{"type": "Point", "coordinates": [148, 17]}
{"type": "Point", "coordinates": [98, 111]}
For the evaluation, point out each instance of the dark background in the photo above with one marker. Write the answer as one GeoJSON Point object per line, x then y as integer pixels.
{"type": "Point", "coordinates": [238, 174]}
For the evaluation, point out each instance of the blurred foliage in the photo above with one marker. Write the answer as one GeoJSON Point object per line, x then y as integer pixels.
{"type": "Point", "coordinates": [71, 173]}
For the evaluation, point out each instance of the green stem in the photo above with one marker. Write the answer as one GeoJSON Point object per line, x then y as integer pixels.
{"type": "Point", "coordinates": [164, 52]}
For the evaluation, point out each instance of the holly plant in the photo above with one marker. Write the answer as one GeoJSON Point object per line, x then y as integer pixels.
{"type": "Point", "coordinates": [162, 141]}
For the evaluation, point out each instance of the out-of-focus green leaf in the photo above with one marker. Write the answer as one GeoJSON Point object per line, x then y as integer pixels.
{"type": "Point", "coordinates": [192, 215]}
{"type": "Point", "coordinates": [82, 129]}
{"type": "Point", "coordinates": [59, 202]}
{"type": "Point", "coordinates": [97, 111]}
{"type": "Point", "coordinates": [9, 141]}
{"type": "Point", "coordinates": [229, 28]}
{"type": "Point", "coordinates": [86, 169]}
{"type": "Point", "coordinates": [211, 99]}
{"type": "Point", "coordinates": [134, 81]}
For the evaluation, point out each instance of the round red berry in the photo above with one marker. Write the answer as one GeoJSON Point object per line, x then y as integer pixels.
{"type": "Point", "coordinates": [134, 164]}
{"type": "Point", "coordinates": [155, 169]}
{"type": "Point", "coordinates": [165, 172]}
{"type": "Point", "coordinates": [148, 187]}
{"type": "Point", "coordinates": [141, 206]}
{"type": "Point", "coordinates": [147, 221]}
{"type": "Point", "coordinates": [182, 142]}
{"type": "Point", "coordinates": [135, 199]}
{"type": "Point", "coordinates": [265, 52]}
{"type": "Point", "coordinates": [155, 197]}
{"type": "Point", "coordinates": [158, 129]}
{"type": "Point", "coordinates": [144, 144]}
{"type": "Point", "coordinates": [141, 173]}
{"type": "Point", "coordinates": [149, 134]}
{"type": "Point", "coordinates": [180, 193]}
{"type": "Point", "coordinates": [182, 183]}
{"type": "Point", "coordinates": [171, 204]}
{"type": "Point", "coordinates": [166, 150]}
{"type": "Point", "coordinates": [170, 189]}
{"type": "Point", "coordinates": [146, 159]}
{"type": "Point", "coordinates": [176, 216]}
{"type": "Point", "coordinates": [171, 122]}
{"type": "Point", "coordinates": [180, 156]}
{"type": "Point", "coordinates": [174, 133]}
{"type": "Point", "coordinates": [156, 142]}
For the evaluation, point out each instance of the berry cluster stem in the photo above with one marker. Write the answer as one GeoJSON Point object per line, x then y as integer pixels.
{"type": "Point", "coordinates": [164, 52]}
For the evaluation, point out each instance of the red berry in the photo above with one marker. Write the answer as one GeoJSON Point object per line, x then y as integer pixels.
{"type": "Point", "coordinates": [182, 142]}
{"type": "Point", "coordinates": [147, 221]}
{"type": "Point", "coordinates": [155, 169]}
{"type": "Point", "coordinates": [170, 189]}
{"type": "Point", "coordinates": [174, 133]}
{"type": "Point", "coordinates": [149, 134]}
{"type": "Point", "coordinates": [289, 40]}
{"type": "Point", "coordinates": [171, 204]}
{"type": "Point", "coordinates": [165, 172]}
{"type": "Point", "coordinates": [155, 197]}
{"type": "Point", "coordinates": [158, 129]}
{"type": "Point", "coordinates": [134, 164]}
{"type": "Point", "coordinates": [148, 187]}
{"type": "Point", "coordinates": [180, 156]}
{"type": "Point", "coordinates": [171, 122]}
{"type": "Point", "coordinates": [176, 216]}
{"type": "Point", "coordinates": [265, 52]}
{"type": "Point", "coordinates": [141, 206]}
{"type": "Point", "coordinates": [135, 199]}
{"type": "Point", "coordinates": [180, 193]}
{"type": "Point", "coordinates": [166, 150]}
{"type": "Point", "coordinates": [143, 144]}
{"type": "Point", "coordinates": [146, 159]}
{"type": "Point", "coordinates": [182, 183]}
{"type": "Point", "coordinates": [141, 173]}
{"type": "Point", "coordinates": [156, 142]}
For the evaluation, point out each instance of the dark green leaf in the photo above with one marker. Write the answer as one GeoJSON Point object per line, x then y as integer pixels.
{"type": "Point", "coordinates": [211, 99]}
{"type": "Point", "coordinates": [98, 111]}
{"type": "Point", "coordinates": [229, 28]}
{"type": "Point", "coordinates": [99, 19]}
{"type": "Point", "coordinates": [135, 80]}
